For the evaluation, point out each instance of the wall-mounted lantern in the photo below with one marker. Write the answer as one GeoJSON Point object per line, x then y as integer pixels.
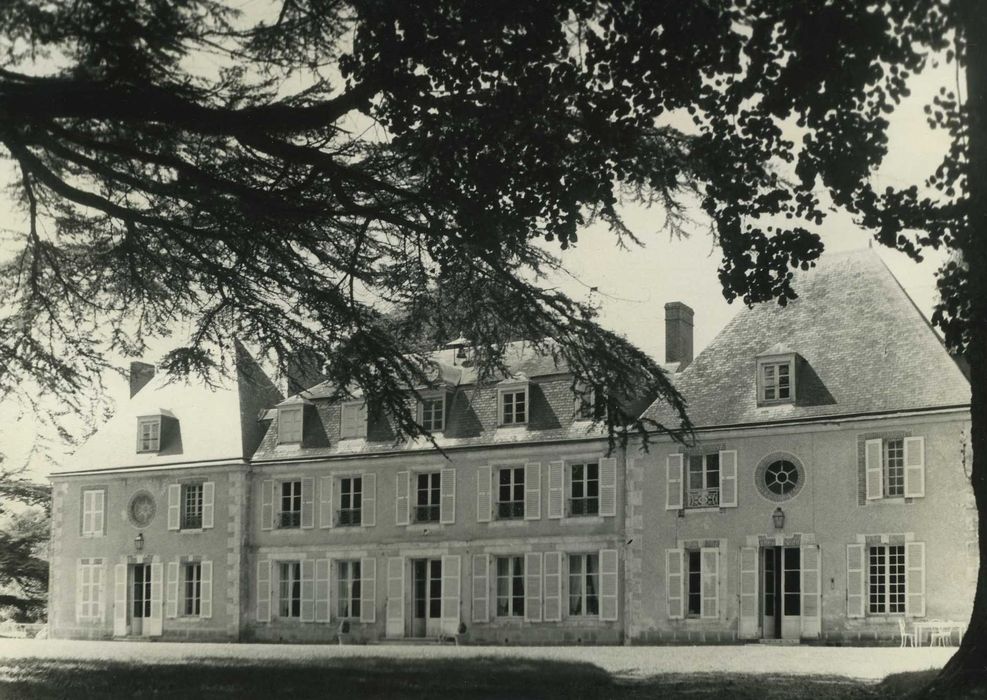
{"type": "Point", "coordinates": [139, 542]}
{"type": "Point", "coordinates": [779, 518]}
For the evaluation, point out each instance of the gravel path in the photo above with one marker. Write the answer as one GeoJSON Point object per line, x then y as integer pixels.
{"type": "Point", "coordinates": [867, 663]}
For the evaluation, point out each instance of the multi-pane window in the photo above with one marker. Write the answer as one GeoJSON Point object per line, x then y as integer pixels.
{"type": "Point", "coordinates": [586, 403]}
{"type": "Point", "coordinates": [141, 595]}
{"type": "Point", "coordinates": [694, 582]}
{"type": "Point", "coordinates": [90, 589]}
{"type": "Point", "coordinates": [290, 514]}
{"type": "Point", "coordinates": [584, 584]}
{"type": "Point", "coordinates": [93, 512]}
{"type": "Point", "coordinates": [349, 588]}
{"type": "Point", "coordinates": [704, 481]}
{"type": "Point", "coordinates": [427, 497]}
{"type": "Point", "coordinates": [350, 500]}
{"type": "Point", "coordinates": [193, 589]}
{"type": "Point", "coordinates": [149, 434]}
{"type": "Point", "coordinates": [510, 492]}
{"type": "Point", "coordinates": [894, 468]}
{"type": "Point", "coordinates": [290, 422]}
{"type": "Point", "coordinates": [290, 589]}
{"type": "Point", "coordinates": [776, 381]}
{"type": "Point", "coordinates": [191, 506]}
{"type": "Point", "coordinates": [585, 488]}
{"type": "Point", "coordinates": [513, 406]}
{"type": "Point", "coordinates": [510, 586]}
{"type": "Point", "coordinates": [433, 413]}
{"type": "Point", "coordinates": [886, 579]}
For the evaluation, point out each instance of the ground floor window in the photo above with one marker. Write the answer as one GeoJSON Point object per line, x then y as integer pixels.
{"type": "Point", "coordinates": [349, 589]}
{"type": "Point", "coordinates": [193, 589]}
{"type": "Point", "coordinates": [290, 591]}
{"type": "Point", "coordinates": [886, 579]}
{"type": "Point", "coordinates": [584, 584]}
{"type": "Point", "coordinates": [510, 586]}
{"type": "Point", "coordinates": [694, 583]}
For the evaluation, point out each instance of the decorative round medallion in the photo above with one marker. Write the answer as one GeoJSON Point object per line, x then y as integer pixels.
{"type": "Point", "coordinates": [141, 509]}
{"type": "Point", "coordinates": [779, 476]}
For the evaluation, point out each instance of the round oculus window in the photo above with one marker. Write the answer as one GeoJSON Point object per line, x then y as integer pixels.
{"type": "Point", "coordinates": [141, 509]}
{"type": "Point", "coordinates": [780, 476]}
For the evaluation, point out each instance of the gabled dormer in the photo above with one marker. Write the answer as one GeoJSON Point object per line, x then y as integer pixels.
{"type": "Point", "coordinates": [512, 400]}
{"type": "Point", "coordinates": [291, 420]}
{"type": "Point", "coordinates": [777, 372]}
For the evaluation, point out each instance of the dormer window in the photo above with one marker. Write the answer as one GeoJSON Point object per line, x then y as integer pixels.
{"type": "Point", "coordinates": [587, 404]}
{"type": "Point", "coordinates": [776, 377]}
{"type": "Point", "coordinates": [432, 412]}
{"type": "Point", "coordinates": [149, 434]}
{"type": "Point", "coordinates": [290, 423]}
{"type": "Point", "coordinates": [353, 419]}
{"type": "Point", "coordinates": [513, 403]}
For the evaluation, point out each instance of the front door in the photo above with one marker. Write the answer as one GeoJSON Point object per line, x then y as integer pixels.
{"type": "Point", "coordinates": [427, 598]}
{"type": "Point", "coordinates": [140, 608]}
{"type": "Point", "coordinates": [781, 584]}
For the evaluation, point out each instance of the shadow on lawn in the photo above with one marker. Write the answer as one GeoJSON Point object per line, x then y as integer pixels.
{"type": "Point", "coordinates": [403, 678]}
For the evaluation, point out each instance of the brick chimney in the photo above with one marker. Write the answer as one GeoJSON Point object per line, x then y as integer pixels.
{"type": "Point", "coordinates": [678, 333]}
{"type": "Point", "coordinates": [140, 374]}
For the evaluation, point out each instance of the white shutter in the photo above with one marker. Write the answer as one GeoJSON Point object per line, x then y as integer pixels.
{"type": "Point", "coordinates": [748, 593]}
{"type": "Point", "coordinates": [447, 497]}
{"type": "Point", "coordinates": [308, 590]}
{"type": "Point", "coordinates": [208, 504]}
{"type": "Point", "coordinates": [608, 584]}
{"type": "Point", "coordinates": [673, 482]}
{"type": "Point", "coordinates": [368, 518]}
{"type": "Point", "coordinates": [267, 504]}
{"type": "Point", "coordinates": [481, 588]}
{"type": "Point", "coordinates": [98, 570]}
{"type": "Point", "coordinates": [874, 469]}
{"type": "Point", "coordinates": [855, 580]}
{"type": "Point", "coordinates": [308, 502]}
{"type": "Point", "coordinates": [120, 600]}
{"type": "Point", "coordinates": [608, 487]}
{"type": "Point", "coordinates": [709, 583]}
{"type": "Point", "coordinates": [484, 497]}
{"type": "Point", "coordinates": [915, 579]}
{"type": "Point", "coordinates": [174, 506]}
{"type": "Point", "coordinates": [451, 585]}
{"type": "Point", "coordinates": [368, 590]}
{"type": "Point", "coordinates": [87, 513]}
{"type": "Point", "coordinates": [264, 591]}
{"type": "Point", "coordinates": [157, 600]}
{"type": "Point", "coordinates": [81, 585]}
{"type": "Point", "coordinates": [914, 467]}
{"type": "Point", "coordinates": [394, 627]}
{"type": "Point", "coordinates": [323, 597]}
{"type": "Point", "coordinates": [728, 478]}
{"type": "Point", "coordinates": [811, 619]}
{"type": "Point", "coordinates": [673, 582]}
{"type": "Point", "coordinates": [532, 491]}
{"type": "Point", "coordinates": [171, 604]}
{"type": "Point", "coordinates": [99, 513]}
{"type": "Point", "coordinates": [401, 488]}
{"type": "Point", "coordinates": [553, 586]}
{"type": "Point", "coordinates": [325, 501]}
{"type": "Point", "coordinates": [205, 602]}
{"type": "Point", "coordinates": [556, 489]}
{"type": "Point", "coordinates": [532, 586]}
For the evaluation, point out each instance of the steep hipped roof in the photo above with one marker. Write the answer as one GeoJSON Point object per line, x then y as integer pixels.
{"type": "Point", "coordinates": [214, 424]}
{"type": "Point", "coordinates": [865, 348]}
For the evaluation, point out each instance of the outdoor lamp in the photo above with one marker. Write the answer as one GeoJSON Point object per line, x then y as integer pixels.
{"type": "Point", "coordinates": [139, 541]}
{"type": "Point", "coordinates": [779, 518]}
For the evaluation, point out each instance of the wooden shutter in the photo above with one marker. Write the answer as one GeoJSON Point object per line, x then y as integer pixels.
{"type": "Point", "coordinates": [208, 504]}
{"type": "Point", "coordinates": [484, 494]}
{"type": "Point", "coordinates": [481, 588]}
{"type": "Point", "coordinates": [709, 582]}
{"type": "Point", "coordinates": [748, 593]}
{"type": "Point", "coordinates": [120, 600]}
{"type": "Point", "coordinates": [368, 590]}
{"type": "Point", "coordinates": [264, 591]}
{"type": "Point", "coordinates": [728, 478]}
{"type": "Point", "coordinates": [368, 518]}
{"type": "Point", "coordinates": [674, 581]}
{"type": "Point", "coordinates": [267, 504]}
{"type": "Point", "coordinates": [608, 584]}
{"type": "Point", "coordinates": [308, 502]}
{"type": "Point", "coordinates": [394, 625]}
{"type": "Point", "coordinates": [914, 467]}
{"type": "Point", "coordinates": [323, 589]}
{"type": "Point", "coordinates": [98, 571]}
{"type": "Point", "coordinates": [855, 593]}
{"type": "Point", "coordinates": [811, 573]}
{"type": "Point", "coordinates": [451, 587]}
{"type": "Point", "coordinates": [171, 604]}
{"type": "Point", "coordinates": [81, 586]}
{"type": "Point", "coordinates": [174, 506]}
{"type": "Point", "coordinates": [325, 501]}
{"type": "Point", "coordinates": [401, 488]}
{"type": "Point", "coordinates": [87, 513]}
{"type": "Point", "coordinates": [532, 586]}
{"type": "Point", "coordinates": [205, 603]}
{"type": "Point", "coordinates": [99, 513]}
{"type": "Point", "coordinates": [553, 586]}
{"type": "Point", "coordinates": [608, 487]}
{"type": "Point", "coordinates": [673, 482]}
{"type": "Point", "coordinates": [157, 600]}
{"type": "Point", "coordinates": [308, 590]}
{"type": "Point", "coordinates": [874, 469]}
{"type": "Point", "coordinates": [532, 491]}
{"type": "Point", "coordinates": [447, 497]}
{"type": "Point", "coordinates": [915, 579]}
{"type": "Point", "coordinates": [556, 489]}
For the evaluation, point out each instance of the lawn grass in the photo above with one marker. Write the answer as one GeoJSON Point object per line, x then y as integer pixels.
{"type": "Point", "coordinates": [485, 677]}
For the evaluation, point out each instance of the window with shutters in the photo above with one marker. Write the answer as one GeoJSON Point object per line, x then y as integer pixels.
{"type": "Point", "coordinates": [427, 494]}
{"type": "Point", "coordinates": [886, 580]}
{"type": "Point", "coordinates": [694, 582]}
{"type": "Point", "coordinates": [432, 412]}
{"type": "Point", "coordinates": [584, 584]}
{"type": "Point", "coordinates": [90, 588]}
{"type": "Point", "coordinates": [149, 434]}
{"type": "Point", "coordinates": [193, 590]}
{"type": "Point", "coordinates": [703, 481]}
{"type": "Point", "coordinates": [93, 512]}
{"type": "Point", "coordinates": [191, 507]}
{"type": "Point", "coordinates": [350, 501]}
{"type": "Point", "coordinates": [290, 505]}
{"type": "Point", "coordinates": [290, 589]}
{"type": "Point", "coordinates": [348, 588]}
{"type": "Point", "coordinates": [510, 586]}
{"type": "Point", "coordinates": [584, 488]}
{"type": "Point", "coordinates": [290, 424]}
{"type": "Point", "coordinates": [510, 493]}
{"type": "Point", "coordinates": [353, 419]}
{"type": "Point", "coordinates": [513, 405]}
{"type": "Point", "coordinates": [893, 453]}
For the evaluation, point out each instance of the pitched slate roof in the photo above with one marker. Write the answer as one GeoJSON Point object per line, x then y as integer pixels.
{"type": "Point", "coordinates": [866, 349]}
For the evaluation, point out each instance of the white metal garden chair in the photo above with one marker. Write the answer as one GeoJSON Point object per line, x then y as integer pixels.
{"type": "Point", "coordinates": [907, 636]}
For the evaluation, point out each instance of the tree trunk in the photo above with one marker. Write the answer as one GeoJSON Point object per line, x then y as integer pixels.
{"type": "Point", "coordinates": [967, 670]}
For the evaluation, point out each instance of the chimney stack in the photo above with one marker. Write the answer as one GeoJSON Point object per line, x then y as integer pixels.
{"type": "Point", "coordinates": [140, 374]}
{"type": "Point", "coordinates": [678, 333]}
